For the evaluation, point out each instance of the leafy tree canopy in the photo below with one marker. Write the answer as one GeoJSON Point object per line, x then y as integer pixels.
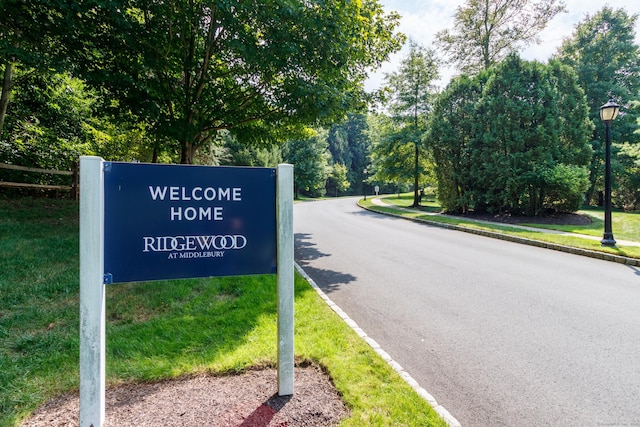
{"type": "Point", "coordinates": [350, 145]}
{"type": "Point", "coordinates": [486, 31]}
{"type": "Point", "coordinates": [412, 92]}
{"type": "Point", "coordinates": [503, 141]}
{"type": "Point", "coordinates": [260, 69]}
{"type": "Point", "coordinates": [603, 53]}
{"type": "Point", "coordinates": [310, 158]}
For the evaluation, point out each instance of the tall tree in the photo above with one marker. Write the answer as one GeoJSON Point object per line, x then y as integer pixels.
{"type": "Point", "coordinates": [486, 31]}
{"type": "Point", "coordinates": [392, 154]}
{"type": "Point", "coordinates": [192, 68]}
{"type": "Point", "coordinates": [603, 53]}
{"type": "Point", "coordinates": [531, 156]}
{"type": "Point", "coordinates": [350, 145]}
{"type": "Point", "coordinates": [412, 90]}
{"type": "Point", "coordinates": [454, 129]}
{"type": "Point", "coordinates": [310, 158]}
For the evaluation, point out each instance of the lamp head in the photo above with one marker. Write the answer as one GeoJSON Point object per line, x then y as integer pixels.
{"type": "Point", "coordinates": [609, 111]}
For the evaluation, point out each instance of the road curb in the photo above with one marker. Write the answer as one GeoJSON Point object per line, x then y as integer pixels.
{"type": "Point", "coordinates": [495, 235]}
{"type": "Point", "coordinates": [441, 410]}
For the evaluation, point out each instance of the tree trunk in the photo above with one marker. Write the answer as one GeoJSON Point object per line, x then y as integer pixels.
{"type": "Point", "coordinates": [416, 178]}
{"type": "Point", "coordinates": [188, 150]}
{"type": "Point", "coordinates": [6, 90]}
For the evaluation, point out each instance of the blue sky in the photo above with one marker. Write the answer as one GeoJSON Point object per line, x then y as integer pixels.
{"type": "Point", "coordinates": [422, 19]}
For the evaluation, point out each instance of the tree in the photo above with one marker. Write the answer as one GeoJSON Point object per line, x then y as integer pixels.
{"type": "Point", "coordinates": [30, 37]}
{"type": "Point", "coordinates": [50, 122]}
{"type": "Point", "coordinates": [628, 189]}
{"type": "Point", "coordinates": [486, 31]}
{"type": "Point", "coordinates": [193, 68]}
{"type": "Point", "coordinates": [530, 157]}
{"type": "Point", "coordinates": [393, 152]}
{"type": "Point", "coordinates": [350, 145]}
{"type": "Point", "coordinates": [338, 179]}
{"type": "Point", "coordinates": [235, 153]}
{"type": "Point", "coordinates": [603, 53]}
{"type": "Point", "coordinates": [412, 91]}
{"type": "Point", "coordinates": [454, 128]}
{"type": "Point", "coordinates": [310, 159]}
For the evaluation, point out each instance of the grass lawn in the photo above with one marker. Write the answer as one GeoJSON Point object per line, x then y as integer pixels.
{"type": "Point", "coordinates": [165, 329]}
{"type": "Point", "coordinates": [625, 225]}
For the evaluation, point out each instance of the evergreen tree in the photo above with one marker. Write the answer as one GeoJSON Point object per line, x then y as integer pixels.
{"type": "Point", "coordinates": [503, 141]}
{"type": "Point", "coordinates": [603, 53]}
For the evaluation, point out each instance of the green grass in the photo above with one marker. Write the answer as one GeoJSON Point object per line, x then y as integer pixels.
{"type": "Point", "coordinates": [166, 329]}
{"type": "Point", "coordinates": [626, 226]}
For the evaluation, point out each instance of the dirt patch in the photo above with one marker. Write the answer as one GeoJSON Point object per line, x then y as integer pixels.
{"type": "Point", "coordinates": [247, 400]}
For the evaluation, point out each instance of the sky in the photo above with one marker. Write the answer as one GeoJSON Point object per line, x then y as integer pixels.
{"type": "Point", "coordinates": [422, 19]}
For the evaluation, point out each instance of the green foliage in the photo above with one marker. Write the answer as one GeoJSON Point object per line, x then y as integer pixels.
{"type": "Point", "coordinates": [126, 142]}
{"type": "Point", "coordinates": [528, 157]}
{"type": "Point", "coordinates": [400, 155]}
{"type": "Point", "coordinates": [31, 38]}
{"type": "Point", "coordinates": [393, 152]}
{"type": "Point", "coordinates": [190, 69]}
{"type": "Point", "coordinates": [486, 31]}
{"type": "Point", "coordinates": [163, 330]}
{"type": "Point", "coordinates": [603, 53]}
{"type": "Point", "coordinates": [350, 145]}
{"type": "Point", "coordinates": [226, 149]}
{"type": "Point", "coordinates": [337, 179]}
{"type": "Point", "coordinates": [627, 190]}
{"type": "Point", "coordinates": [564, 187]}
{"type": "Point", "coordinates": [47, 125]}
{"type": "Point", "coordinates": [453, 135]}
{"type": "Point", "coordinates": [310, 159]}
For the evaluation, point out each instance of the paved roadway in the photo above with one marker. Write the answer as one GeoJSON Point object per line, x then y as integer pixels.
{"type": "Point", "coordinates": [501, 334]}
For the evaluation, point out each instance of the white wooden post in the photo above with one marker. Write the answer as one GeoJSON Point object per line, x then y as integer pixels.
{"type": "Point", "coordinates": [285, 279]}
{"type": "Point", "coordinates": [92, 293]}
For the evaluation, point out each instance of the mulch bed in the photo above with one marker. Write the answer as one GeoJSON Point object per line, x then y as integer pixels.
{"type": "Point", "coordinates": [246, 400]}
{"type": "Point", "coordinates": [557, 218]}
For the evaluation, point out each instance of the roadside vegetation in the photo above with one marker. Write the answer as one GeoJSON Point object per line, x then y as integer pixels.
{"type": "Point", "coordinates": [626, 225]}
{"type": "Point", "coordinates": [151, 333]}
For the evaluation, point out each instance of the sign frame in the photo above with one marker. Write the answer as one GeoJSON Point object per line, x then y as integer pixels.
{"type": "Point", "coordinates": [92, 286]}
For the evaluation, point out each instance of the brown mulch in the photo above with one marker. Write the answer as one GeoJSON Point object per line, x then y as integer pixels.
{"type": "Point", "coordinates": [556, 218]}
{"type": "Point", "coordinates": [247, 400]}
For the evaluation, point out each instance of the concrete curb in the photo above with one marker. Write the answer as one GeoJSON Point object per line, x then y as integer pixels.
{"type": "Point", "coordinates": [495, 235]}
{"type": "Point", "coordinates": [449, 419]}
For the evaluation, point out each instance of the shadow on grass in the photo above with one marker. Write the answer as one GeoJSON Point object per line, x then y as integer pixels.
{"type": "Point", "coordinates": [154, 330]}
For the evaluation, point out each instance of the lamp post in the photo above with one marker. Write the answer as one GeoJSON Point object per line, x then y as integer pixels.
{"type": "Point", "coordinates": [608, 113]}
{"type": "Point", "coordinates": [364, 183]}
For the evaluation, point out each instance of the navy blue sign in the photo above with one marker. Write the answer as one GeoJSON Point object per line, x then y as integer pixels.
{"type": "Point", "coordinates": [171, 222]}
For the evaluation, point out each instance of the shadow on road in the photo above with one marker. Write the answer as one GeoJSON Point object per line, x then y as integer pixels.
{"type": "Point", "coordinates": [305, 252]}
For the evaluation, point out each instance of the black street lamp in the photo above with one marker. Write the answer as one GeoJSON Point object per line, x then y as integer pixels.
{"type": "Point", "coordinates": [364, 183]}
{"type": "Point", "coordinates": [608, 113]}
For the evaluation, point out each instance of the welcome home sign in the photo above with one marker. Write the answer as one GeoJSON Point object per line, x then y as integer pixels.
{"type": "Point", "coordinates": [141, 222]}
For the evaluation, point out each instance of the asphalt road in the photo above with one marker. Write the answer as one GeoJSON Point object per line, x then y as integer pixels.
{"type": "Point", "coordinates": [501, 334]}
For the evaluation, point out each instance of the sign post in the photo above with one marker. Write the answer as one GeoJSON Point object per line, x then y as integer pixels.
{"type": "Point", "coordinates": [92, 293]}
{"type": "Point", "coordinates": [141, 222]}
{"type": "Point", "coordinates": [285, 280]}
